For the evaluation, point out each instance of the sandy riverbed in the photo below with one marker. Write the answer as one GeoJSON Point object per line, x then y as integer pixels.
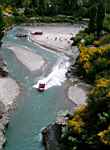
{"type": "Point", "coordinates": [55, 37]}
{"type": "Point", "coordinates": [77, 95]}
{"type": "Point", "coordinates": [78, 91]}
{"type": "Point", "coordinates": [31, 60]}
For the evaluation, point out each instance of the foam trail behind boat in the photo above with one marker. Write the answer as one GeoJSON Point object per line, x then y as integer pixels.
{"type": "Point", "coordinates": [57, 76]}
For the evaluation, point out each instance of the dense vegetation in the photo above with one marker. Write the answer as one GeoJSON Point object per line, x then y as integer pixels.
{"type": "Point", "coordinates": [89, 127]}
{"type": "Point", "coordinates": [1, 25]}
{"type": "Point", "coordinates": [57, 11]}
{"type": "Point", "coordinates": [48, 7]}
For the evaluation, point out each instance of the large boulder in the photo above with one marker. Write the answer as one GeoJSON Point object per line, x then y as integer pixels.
{"type": "Point", "coordinates": [52, 136]}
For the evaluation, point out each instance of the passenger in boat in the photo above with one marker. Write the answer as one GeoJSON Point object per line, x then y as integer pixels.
{"type": "Point", "coordinates": [41, 87]}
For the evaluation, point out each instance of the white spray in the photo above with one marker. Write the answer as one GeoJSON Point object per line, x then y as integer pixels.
{"type": "Point", "coordinates": [57, 76]}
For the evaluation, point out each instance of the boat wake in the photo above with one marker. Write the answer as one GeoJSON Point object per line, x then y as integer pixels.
{"type": "Point", "coordinates": [57, 76]}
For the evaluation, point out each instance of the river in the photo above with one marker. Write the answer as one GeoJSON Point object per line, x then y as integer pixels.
{"type": "Point", "coordinates": [34, 110]}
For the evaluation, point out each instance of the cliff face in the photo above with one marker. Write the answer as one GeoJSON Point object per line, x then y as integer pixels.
{"type": "Point", "coordinates": [51, 137]}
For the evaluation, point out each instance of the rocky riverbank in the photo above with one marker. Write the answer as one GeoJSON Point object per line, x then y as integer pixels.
{"type": "Point", "coordinates": [9, 90]}
{"type": "Point", "coordinates": [51, 137]}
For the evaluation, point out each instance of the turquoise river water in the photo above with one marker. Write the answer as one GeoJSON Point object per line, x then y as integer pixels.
{"type": "Point", "coordinates": [34, 110]}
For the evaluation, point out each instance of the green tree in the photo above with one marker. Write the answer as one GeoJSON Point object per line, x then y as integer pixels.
{"type": "Point", "coordinates": [107, 6]}
{"type": "Point", "coordinates": [1, 26]}
{"type": "Point", "coordinates": [41, 7]}
{"type": "Point", "coordinates": [92, 11]}
{"type": "Point", "coordinates": [96, 15]}
{"type": "Point", "coordinates": [100, 16]}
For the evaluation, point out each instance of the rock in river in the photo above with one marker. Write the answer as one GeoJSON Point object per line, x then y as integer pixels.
{"type": "Point", "coordinates": [52, 136]}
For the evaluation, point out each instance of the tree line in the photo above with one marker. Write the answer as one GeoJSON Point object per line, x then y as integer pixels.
{"type": "Point", "coordinates": [55, 7]}
{"type": "Point", "coordinates": [95, 10]}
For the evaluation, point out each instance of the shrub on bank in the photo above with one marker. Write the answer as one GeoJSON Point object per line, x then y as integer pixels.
{"type": "Point", "coordinates": [7, 9]}
{"type": "Point", "coordinates": [106, 23]}
{"type": "Point", "coordinates": [44, 19]}
{"type": "Point", "coordinates": [99, 96]}
{"type": "Point", "coordinates": [89, 126]}
{"type": "Point", "coordinates": [87, 38]}
{"type": "Point", "coordinates": [102, 41]}
{"type": "Point", "coordinates": [54, 19]}
{"type": "Point", "coordinates": [79, 37]}
{"type": "Point", "coordinates": [9, 21]}
{"type": "Point", "coordinates": [104, 136]}
{"type": "Point", "coordinates": [94, 60]}
{"type": "Point", "coordinates": [76, 122]}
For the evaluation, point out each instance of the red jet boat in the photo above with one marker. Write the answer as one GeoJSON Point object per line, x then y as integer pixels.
{"type": "Point", "coordinates": [41, 87]}
{"type": "Point", "coordinates": [37, 33]}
